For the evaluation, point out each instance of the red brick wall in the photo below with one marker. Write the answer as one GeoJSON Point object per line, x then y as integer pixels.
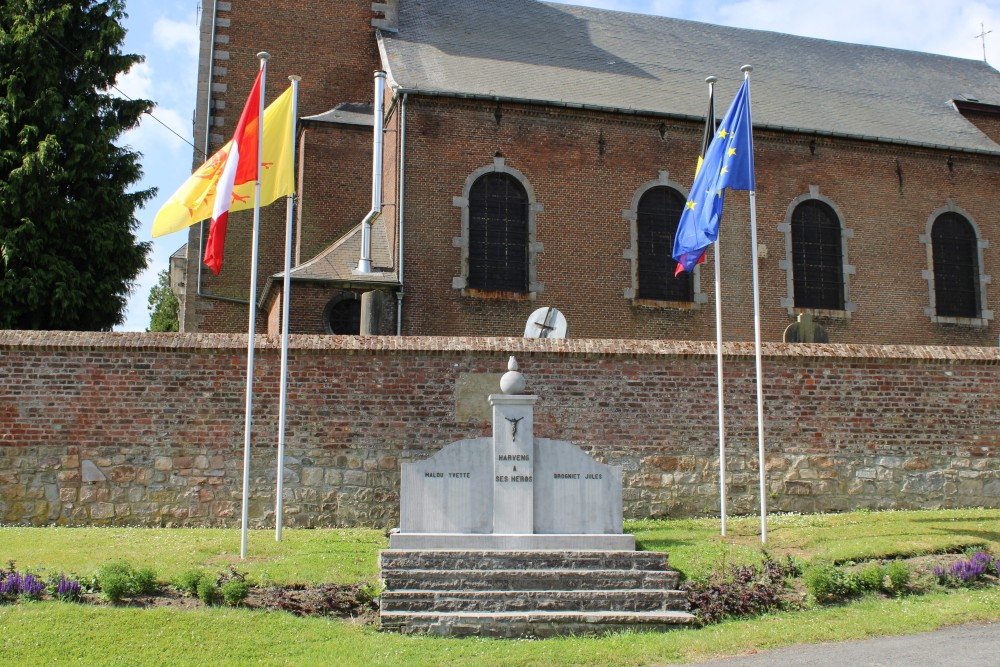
{"type": "Point", "coordinates": [584, 192]}
{"type": "Point", "coordinates": [160, 417]}
{"type": "Point", "coordinates": [335, 188]}
{"type": "Point", "coordinates": [988, 122]}
{"type": "Point", "coordinates": [346, 48]}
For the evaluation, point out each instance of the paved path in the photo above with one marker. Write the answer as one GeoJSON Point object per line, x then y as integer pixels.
{"type": "Point", "coordinates": [976, 645]}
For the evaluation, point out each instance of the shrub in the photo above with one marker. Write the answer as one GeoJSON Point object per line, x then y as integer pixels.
{"type": "Point", "coordinates": [208, 591]}
{"type": "Point", "coordinates": [114, 580]}
{"type": "Point", "coordinates": [118, 580]}
{"type": "Point", "coordinates": [114, 586]}
{"type": "Point", "coordinates": [898, 575]}
{"type": "Point", "coordinates": [744, 590]}
{"type": "Point", "coordinates": [369, 592]}
{"type": "Point", "coordinates": [187, 583]}
{"type": "Point", "coordinates": [828, 583]}
{"type": "Point", "coordinates": [235, 591]}
{"type": "Point", "coordinates": [144, 581]}
{"type": "Point", "coordinates": [873, 577]}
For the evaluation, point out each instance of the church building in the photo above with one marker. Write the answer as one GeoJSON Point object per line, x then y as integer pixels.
{"type": "Point", "coordinates": [535, 154]}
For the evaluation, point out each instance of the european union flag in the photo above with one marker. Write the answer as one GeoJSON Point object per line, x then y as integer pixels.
{"type": "Point", "coordinates": [728, 164]}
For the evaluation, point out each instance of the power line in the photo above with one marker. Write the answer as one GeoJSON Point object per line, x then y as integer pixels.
{"type": "Point", "coordinates": [149, 113]}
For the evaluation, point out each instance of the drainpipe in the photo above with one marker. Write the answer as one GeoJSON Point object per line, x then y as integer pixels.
{"type": "Point", "coordinates": [365, 263]}
{"type": "Point", "coordinates": [401, 207]}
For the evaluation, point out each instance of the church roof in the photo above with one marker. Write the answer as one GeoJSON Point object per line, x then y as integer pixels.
{"type": "Point", "coordinates": [346, 113]}
{"type": "Point", "coordinates": [336, 264]}
{"type": "Point", "coordinates": [525, 50]}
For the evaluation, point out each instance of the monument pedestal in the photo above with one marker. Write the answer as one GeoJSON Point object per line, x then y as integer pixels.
{"type": "Point", "coordinates": [513, 542]}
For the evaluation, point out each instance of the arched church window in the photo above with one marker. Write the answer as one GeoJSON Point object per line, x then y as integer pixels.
{"type": "Point", "coordinates": [657, 216]}
{"type": "Point", "coordinates": [817, 256]}
{"type": "Point", "coordinates": [956, 267]}
{"type": "Point", "coordinates": [498, 234]}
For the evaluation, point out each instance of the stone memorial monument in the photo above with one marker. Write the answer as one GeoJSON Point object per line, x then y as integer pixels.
{"type": "Point", "coordinates": [518, 536]}
{"type": "Point", "coordinates": [512, 490]}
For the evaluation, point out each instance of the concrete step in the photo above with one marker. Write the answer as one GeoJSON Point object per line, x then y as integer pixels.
{"type": "Point", "coordinates": [533, 601]}
{"type": "Point", "coordinates": [528, 580]}
{"type": "Point", "coordinates": [524, 560]}
{"type": "Point", "coordinates": [530, 624]}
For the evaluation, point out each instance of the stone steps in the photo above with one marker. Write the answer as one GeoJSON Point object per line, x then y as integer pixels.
{"type": "Point", "coordinates": [526, 601]}
{"type": "Point", "coordinates": [528, 593]}
{"type": "Point", "coordinates": [529, 580]}
{"type": "Point", "coordinates": [507, 560]}
{"type": "Point", "coordinates": [530, 624]}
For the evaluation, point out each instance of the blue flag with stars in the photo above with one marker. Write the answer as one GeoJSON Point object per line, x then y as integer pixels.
{"type": "Point", "coordinates": [728, 164]}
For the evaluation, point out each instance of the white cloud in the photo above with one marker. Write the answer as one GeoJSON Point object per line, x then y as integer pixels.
{"type": "Point", "coordinates": [176, 35]}
{"type": "Point", "coordinates": [154, 140]}
{"type": "Point", "coordinates": [137, 83]}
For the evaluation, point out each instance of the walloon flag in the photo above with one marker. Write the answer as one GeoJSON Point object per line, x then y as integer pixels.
{"type": "Point", "coordinates": [197, 199]}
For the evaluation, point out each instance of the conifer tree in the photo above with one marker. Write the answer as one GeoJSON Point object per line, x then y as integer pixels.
{"type": "Point", "coordinates": [68, 251]}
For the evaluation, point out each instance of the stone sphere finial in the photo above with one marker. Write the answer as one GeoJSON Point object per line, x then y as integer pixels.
{"type": "Point", "coordinates": [512, 381]}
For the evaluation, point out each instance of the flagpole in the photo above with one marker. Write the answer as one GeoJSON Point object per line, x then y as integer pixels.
{"type": "Point", "coordinates": [248, 421]}
{"type": "Point", "coordinates": [718, 347]}
{"type": "Point", "coordinates": [746, 69]}
{"type": "Point", "coordinates": [283, 400]}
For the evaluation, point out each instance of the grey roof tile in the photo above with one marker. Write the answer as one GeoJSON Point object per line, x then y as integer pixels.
{"type": "Point", "coordinates": [346, 113]}
{"type": "Point", "coordinates": [338, 261]}
{"type": "Point", "coordinates": [545, 52]}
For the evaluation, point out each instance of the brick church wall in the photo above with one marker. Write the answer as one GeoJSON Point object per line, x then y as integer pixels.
{"type": "Point", "coordinates": [585, 168]}
{"type": "Point", "coordinates": [147, 428]}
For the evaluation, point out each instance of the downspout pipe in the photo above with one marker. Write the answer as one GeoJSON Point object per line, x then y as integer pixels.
{"type": "Point", "coordinates": [402, 211]}
{"type": "Point", "coordinates": [365, 263]}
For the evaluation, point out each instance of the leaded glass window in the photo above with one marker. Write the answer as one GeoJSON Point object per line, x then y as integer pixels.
{"type": "Point", "coordinates": [659, 212]}
{"type": "Point", "coordinates": [956, 267]}
{"type": "Point", "coordinates": [498, 234]}
{"type": "Point", "coordinates": [817, 257]}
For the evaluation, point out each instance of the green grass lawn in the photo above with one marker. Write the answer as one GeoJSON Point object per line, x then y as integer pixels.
{"type": "Point", "coordinates": [47, 632]}
{"type": "Point", "coordinates": [696, 548]}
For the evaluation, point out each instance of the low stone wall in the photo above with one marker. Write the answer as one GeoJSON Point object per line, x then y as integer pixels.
{"type": "Point", "coordinates": [148, 428]}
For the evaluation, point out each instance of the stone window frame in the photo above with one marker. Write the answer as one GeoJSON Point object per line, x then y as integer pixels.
{"type": "Point", "coordinates": [787, 264]}
{"type": "Point", "coordinates": [631, 215]}
{"type": "Point", "coordinates": [985, 314]}
{"type": "Point", "coordinates": [534, 247]}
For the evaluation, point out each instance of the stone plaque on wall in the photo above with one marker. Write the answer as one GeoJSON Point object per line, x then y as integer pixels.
{"type": "Point", "coordinates": [472, 397]}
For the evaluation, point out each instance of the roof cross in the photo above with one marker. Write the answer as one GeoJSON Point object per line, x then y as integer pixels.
{"type": "Point", "coordinates": [982, 36]}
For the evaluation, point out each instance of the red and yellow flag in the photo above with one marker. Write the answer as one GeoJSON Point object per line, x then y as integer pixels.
{"type": "Point", "coordinates": [197, 199]}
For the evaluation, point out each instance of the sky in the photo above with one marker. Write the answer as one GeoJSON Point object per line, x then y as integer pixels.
{"type": "Point", "coordinates": [166, 33]}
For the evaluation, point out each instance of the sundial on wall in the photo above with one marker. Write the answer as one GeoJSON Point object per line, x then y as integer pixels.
{"type": "Point", "coordinates": [545, 323]}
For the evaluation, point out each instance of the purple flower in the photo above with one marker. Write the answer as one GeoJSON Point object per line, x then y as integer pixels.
{"type": "Point", "coordinates": [69, 589]}
{"type": "Point", "coordinates": [972, 569]}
